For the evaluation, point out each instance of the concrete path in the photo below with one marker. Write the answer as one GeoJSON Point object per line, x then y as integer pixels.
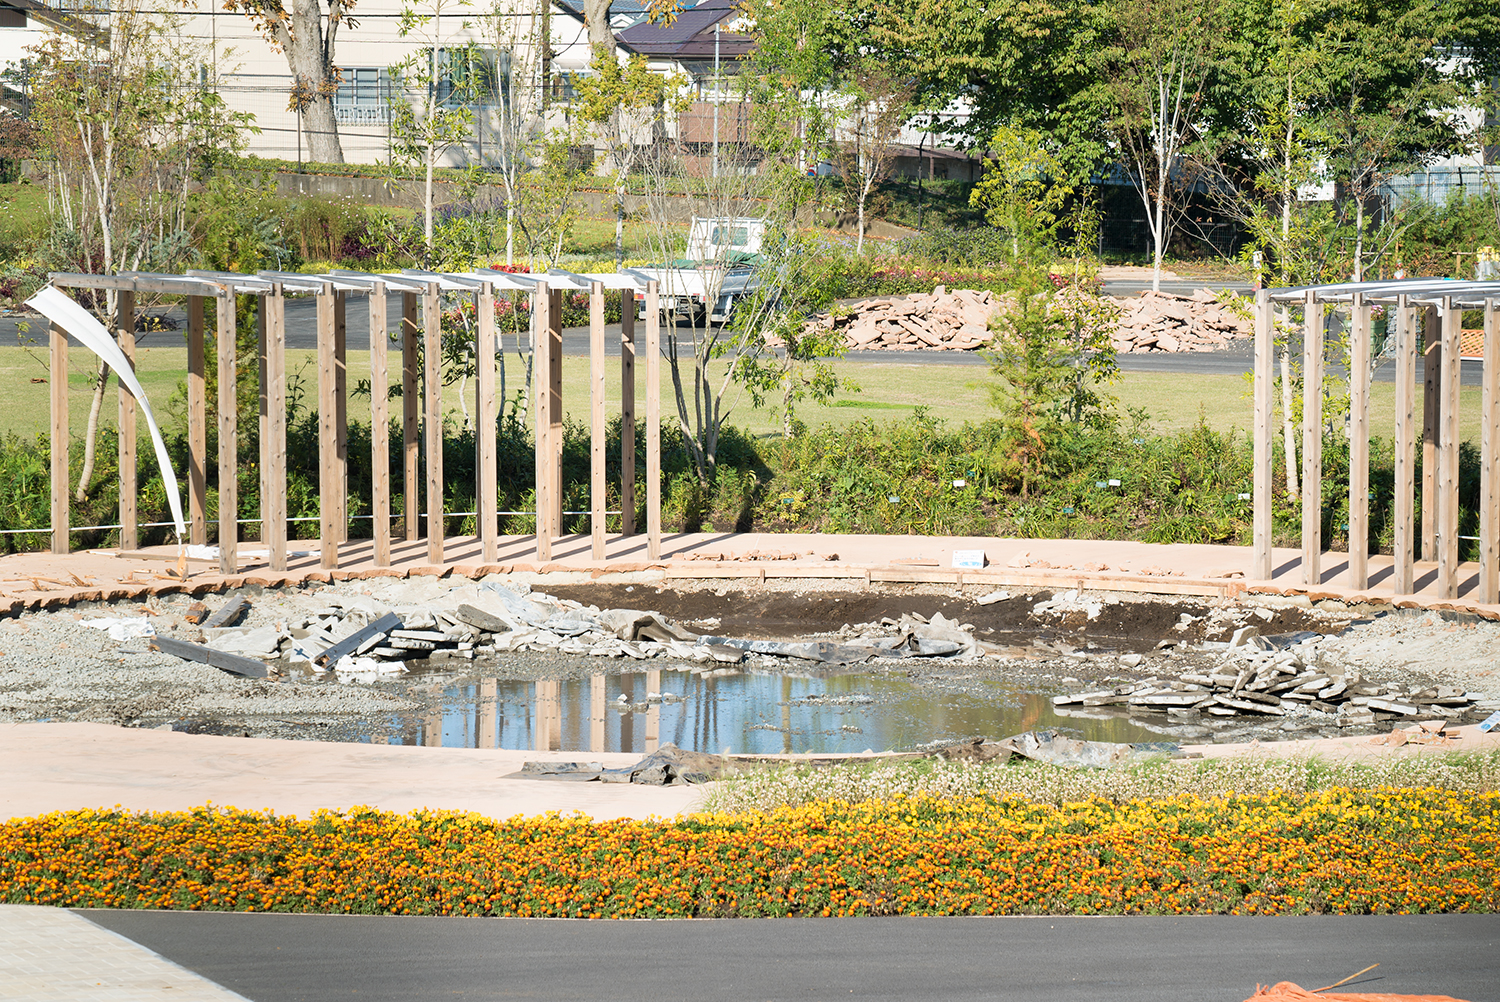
{"type": "Point", "coordinates": [52, 955]}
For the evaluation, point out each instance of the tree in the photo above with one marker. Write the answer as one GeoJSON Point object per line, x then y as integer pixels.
{"type": "Point", "coordinates": [1155, 73]}
{"type": "Point", "coordinates": [438, 77]}
{"type": "Point", "coordinates": [305, 35]}
{"type": "Point", "coordinates": [879, 104]}
{"type": "Point", "coordinates": [517, 128]}
{"type": "Point", "coordinates": [128, 130]}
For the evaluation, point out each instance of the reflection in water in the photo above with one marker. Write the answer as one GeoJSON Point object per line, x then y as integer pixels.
{"type": "Point", "coordinates": [753, 713]}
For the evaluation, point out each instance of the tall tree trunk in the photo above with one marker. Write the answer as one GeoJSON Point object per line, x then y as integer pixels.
{"type": "Point", "coordinates": [91, 431]}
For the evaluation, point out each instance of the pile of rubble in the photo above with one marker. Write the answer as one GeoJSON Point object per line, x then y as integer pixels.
{"type": "Point", "coordinates": [1165, 321]}
{"type": "Point", "coordinates": [1271, 676]}
{"type": "Point", "coordinates": [957, 321]}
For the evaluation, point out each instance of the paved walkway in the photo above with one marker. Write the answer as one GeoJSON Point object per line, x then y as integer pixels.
{"type": "Point", "coordinates": [51, 954]}
{"type": "Point", "coordinates": [33, 580]}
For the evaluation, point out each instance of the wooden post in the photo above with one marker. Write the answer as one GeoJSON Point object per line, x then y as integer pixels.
{"type": "Point", "coordinates": [653, 422]}
{"type": "Point", "coordinates": [197, 421]}
{"type": "Point", "coordinates": [541, 303]}
{"type": "Point", "coordinates": [597, 712]}
{"type": "Point", "coordinates": [380, 429]}
{"type": "Point", "coordinates": [1489, 459]}
{"type": "Point", "coordinates": [274, 530]}
{"type": "Point", "coordinates": [1432, 368]}
{"type": "Point", "coordinates": [1447, 488]}
{"type": "Point", "coordinates": [410, 414]}
{"type": "Point", "coordinates": [1312, 440]}
{"type": "Point", "coordinates": [485, 428]}
{"type": "Point", "coordinates": [125, 330]}
{"type": "Point", "coordinates": [229, 434]}
{"type": "Point", "coordinates": [597, 492]}
{"type": "Point", "coordinates": [1265, 347]}
{"type": "Point", "coordinates": [627, 412]}
{"type": "Point", "coordinates": [329, 535]}
{"type": "Point", "coordinates": [341, 415]}
{"type": "Point", "coordinates": [58, 386]}
{"type": "Point", "coordinates": [432, 394]}
{"type": "Point", "coordinates": [263, 429]}
{"type": "Point", "coordinates": [1359, 443]}
{"type": "Point", "coordinates": [555, 409]}
{"type": "Point", "coordinates": [1403, 579]}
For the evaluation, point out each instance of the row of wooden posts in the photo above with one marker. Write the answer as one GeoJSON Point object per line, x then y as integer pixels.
{"type": "Point", "coordinates": [421, 402]}
{"type": "Point", "coordinates": [1425, 310]}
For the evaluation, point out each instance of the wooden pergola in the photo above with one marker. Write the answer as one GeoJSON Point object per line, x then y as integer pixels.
{"type": "Point", "coordinates": [1417, 310]}
{"type": "Point", "coordinates": [421, 403]}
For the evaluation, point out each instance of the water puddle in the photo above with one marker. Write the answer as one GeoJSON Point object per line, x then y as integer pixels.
{"type": "Point", "coordinates": [745, 712]}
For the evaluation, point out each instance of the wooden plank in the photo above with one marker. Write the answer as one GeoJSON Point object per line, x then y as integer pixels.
{"type": "Point", "coordinates": [541, 303]}
{"type": "Point", "coordinates": [197, 421]}
{"type": "Point", "coordinates": [1489, 459]}
{"type": "Point", "coordinates": [1265, 380]}
{"type": "Point", "coordinates": [627, 412]}
{"type": "Point", "coordinates": [228, 613]}
{"type": "Point", "coordinates": [385, 624]}
{"type": "Point", "coordinates": [410, 414]}
{"type": "Point", "coordinates": [486, 417]}
{"type": "Point", "coordinates": [555, 409]}
{"type": "Point", "coordinates": [380, 428]}
{"type": "Point", "coordinates": [653, 422]}
{"type": "Point", "coordinates": [57, 385]}
{"type": "Point", "coordinates": [1432, 368]}
{"type": "Point", "coordinates": [229, 434]}
{"type": "Point", "coordinates": [1312, 440]}
{"type": "Point", "coordinates": [1404, 547]}
{"type": "Point", "coordinates": [341, 413]}
{"type": "Point", "coordinates": [130, 537]}
{"type": "Point", "coordinates": [232, 663]}
{"type": "Point", "coordinates": [432, 395]}
{"type": "Point", "coordinates": [597, 492]}
{"type": "Point", "coordinates": [1359, 443]}
{"type": "Point", "coordinates": [1447, 488]}
{"type": "Point", "coordinates": [274, 531]}
{"type": "Point", "coordinates": [328, 470]}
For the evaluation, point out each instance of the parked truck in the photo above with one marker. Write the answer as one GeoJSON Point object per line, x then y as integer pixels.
{"type": "Point", "coordinates": [717, 270]}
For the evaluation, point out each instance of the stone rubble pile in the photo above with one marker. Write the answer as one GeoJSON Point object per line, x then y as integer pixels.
{"type": "Point", "coordinates": [956, 321]}
{"type": "Point", "coordinates": [1165, 321]}
{"type": "Point", "coordinates": [1273, 676]}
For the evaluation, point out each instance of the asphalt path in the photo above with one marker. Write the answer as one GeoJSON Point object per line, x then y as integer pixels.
{"type": "Point", "coordinates": [288, 958]}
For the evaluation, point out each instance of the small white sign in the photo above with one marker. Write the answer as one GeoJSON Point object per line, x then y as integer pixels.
{"type": "Point", "coordinates": [1491, 722]}
{"type": "Point", "coordinates": [960, 483]}
{"type": "Point", "coordinates": [968, 558]}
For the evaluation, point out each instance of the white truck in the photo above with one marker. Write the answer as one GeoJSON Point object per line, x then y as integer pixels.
{"type": "Point", "coordinates": [718, 270]}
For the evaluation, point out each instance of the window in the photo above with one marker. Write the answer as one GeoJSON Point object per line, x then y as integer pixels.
{"type": "Point", "coordinates": [362, 96]}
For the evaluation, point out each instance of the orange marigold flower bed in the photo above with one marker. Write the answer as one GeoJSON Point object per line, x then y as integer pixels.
{"type": "Point", "coordinates": [1336, 851]}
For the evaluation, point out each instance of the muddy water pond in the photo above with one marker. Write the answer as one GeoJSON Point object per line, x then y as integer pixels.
{"type": "Point", "coordinates": [746, 712]}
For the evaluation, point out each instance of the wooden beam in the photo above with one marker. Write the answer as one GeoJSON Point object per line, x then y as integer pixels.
{"type": "Point", "coordinates": [57, 384]}
{"type": "Point", "coordinates": [541, 304]}
{"type": "Point", "coordinates": [486, 427]}
{"type": "Point", "coordinates": [274, 531]}
{"type": "Point", "coordinates": [329, 535]}
{"type": "Point", "coordinates": [555, 409]}
{"type": "Point", "coordinates": [1312, 440]}
{"type": "Point", "coordinates": [341, 413]}
{"type": "Point", "coordinates": [197, 421]}
{"type": "Point", "coordinates": [1403, 578]}
{"type": "Point", "coordinates": [1265, 379]}
{"type": "Point", "coordinates": [1359, 443]}
{"type": "Point", "coordinates": [229, 434]}
{"type": "Point", "coordinates": [432, 395]}
{"type": "Point", "coordinates": [627, 412]}
{"type": "Point", "coordinates": [410, 414]}
{"type": "Point", "coordinates": [597, 490]}
{"type": "Point", "coordinates": [1432, 369]}
{"type": "Point", "coordinates": [263, 428]}
{"type": "Point", "coordinates": [1447, 496]}
{"type": "Point", "coordinates": [130, 538]}
{"type": "Point", "coordinates": [1489, 459]}
{"type": "Point", "coordinates": [235, 664]}
{"type": "Point", "coordinates": [380, 428]}
{"type": "Point", "coordinates": [653, 422]}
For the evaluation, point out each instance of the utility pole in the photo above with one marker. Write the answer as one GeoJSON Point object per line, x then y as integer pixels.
{"type": "Point", "coordinates": [544, 40]}
{"type": "Point", "coordinates": [716, 99]}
